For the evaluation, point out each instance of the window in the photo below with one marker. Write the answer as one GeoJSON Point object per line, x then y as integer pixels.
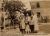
{"type": "Point", "coordinates": [38, 5]}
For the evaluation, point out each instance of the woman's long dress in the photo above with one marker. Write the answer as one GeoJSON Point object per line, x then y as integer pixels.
{"type": "Point", "coordinates": [22, 23]}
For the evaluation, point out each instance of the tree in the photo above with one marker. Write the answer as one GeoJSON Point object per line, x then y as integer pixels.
{"type": "Point", "coordinates": [13, 6]}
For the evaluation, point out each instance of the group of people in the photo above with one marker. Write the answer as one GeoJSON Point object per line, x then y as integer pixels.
{"type": "Point", "coordinates": [26, 23]}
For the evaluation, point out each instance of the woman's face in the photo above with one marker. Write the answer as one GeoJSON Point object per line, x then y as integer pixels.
{"type": "Point", "coordinates": [27, 15]}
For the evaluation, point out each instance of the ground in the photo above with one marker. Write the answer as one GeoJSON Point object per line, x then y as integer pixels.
{"type": "Point", "coordinates": [44, 31]}
{"type": "Point", "coordinates": [16, 33]}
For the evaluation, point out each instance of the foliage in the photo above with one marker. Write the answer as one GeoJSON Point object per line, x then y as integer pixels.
{"type": "Point", "coordinates": [13, 6]}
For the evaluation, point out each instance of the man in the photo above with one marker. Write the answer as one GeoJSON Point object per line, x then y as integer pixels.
{"type": "Point", "coordinates": [17, 17]}
{"type": "Point", "coordinates": [31, 24]}
{"type": "Point", "coordinates": [17, 14]}
{"type": "Point", "coordinates": [35, 21]}
{"type": "Point", "coordinates": [2, 22]}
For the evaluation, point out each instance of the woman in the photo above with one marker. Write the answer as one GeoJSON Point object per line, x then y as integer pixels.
{"type": "Point", "coordinates": [22, 23]}
{"type": "Point", "coordinates": [27, 24]}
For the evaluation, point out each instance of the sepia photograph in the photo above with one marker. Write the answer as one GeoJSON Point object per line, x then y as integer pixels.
{"type": "Point", "coordinates": [24, 17]}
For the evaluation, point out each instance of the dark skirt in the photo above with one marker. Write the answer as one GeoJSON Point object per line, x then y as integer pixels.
{"type": "Point", "coordinates": [32, 28]}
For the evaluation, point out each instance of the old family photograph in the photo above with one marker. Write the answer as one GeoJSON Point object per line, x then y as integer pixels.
{"type": "Point", "coordinates": [24, 16]}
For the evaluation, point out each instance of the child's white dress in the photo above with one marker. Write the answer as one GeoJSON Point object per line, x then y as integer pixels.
{"type": "Point", "coordinates": [27, 28]}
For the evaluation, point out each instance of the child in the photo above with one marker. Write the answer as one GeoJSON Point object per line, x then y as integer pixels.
{"type": "Point", "coordinates": [27, 29]}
